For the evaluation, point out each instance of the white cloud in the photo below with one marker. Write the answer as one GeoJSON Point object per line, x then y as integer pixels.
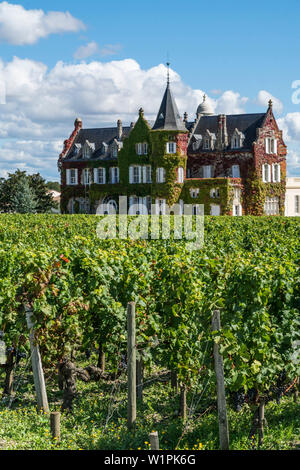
{"type": "Point", "coordinates": [293, 162]}
{"type": "Point", "coordinates": [230, 102]}
{"type": "Point", "coordinates": [19, 26]}
{"type": "Point", "coordinates": [290, 125]}
{"type": "Point", "coordinates": [110, 49]}
{"type": "Point", "coordinates": [263, 99]}
{"type": "Point", "coordinates": [83, 52]}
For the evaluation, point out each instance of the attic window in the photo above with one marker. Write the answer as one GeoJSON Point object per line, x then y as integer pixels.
{"type": "Point", "coordinates": [206, 144]}
{"type": "Point", "coordinates": [235, 144]}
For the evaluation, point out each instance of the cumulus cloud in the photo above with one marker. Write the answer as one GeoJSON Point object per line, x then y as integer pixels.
{"type": "Point", "coordinates": [19, 26]}
{"type": "Point", "coordinates": [263, 99]}
{"type": "Point", "coordinates": [290, 125]}
{"type": "Point", "coordinates": [83, 52]}
{"type": "Point", "coordinates": [231, 102]}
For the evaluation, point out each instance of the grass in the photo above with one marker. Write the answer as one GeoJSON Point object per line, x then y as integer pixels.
{"type": "Point", "coordinates": [98, 421]}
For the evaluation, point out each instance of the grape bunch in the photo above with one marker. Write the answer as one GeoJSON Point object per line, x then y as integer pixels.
{"type": "Point", "coordinates": [238, 399]}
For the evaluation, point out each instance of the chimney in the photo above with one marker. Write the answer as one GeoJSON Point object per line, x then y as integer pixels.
{"type": "Point", "coordinates": [222, 136]}
{"type": "Point", "coordinates": [78, 124]}
{"type": "Point", "coordinates": [120, 129]}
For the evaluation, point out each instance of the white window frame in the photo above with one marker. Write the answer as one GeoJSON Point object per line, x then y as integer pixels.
{"type": "Point", "coordinates": [237, 210]}
{"type": "Point", "coordinates": [194, 192]}
{"type": "Point", "coordinates": [160, 175]}
{"type": "Point", "coordinates": [297, 204]}
{"type": "Point", "coordinates": [235, 171]}
{"type": "Point", "coordinates": [180, 175]}
{"type": "Point", "coordinates": [271, 206]}
{"type": "Point", "coordinates": [72, 178]}
{"type": "Point", "coordinates": [207, 171]}
{"type": "Point", "coordinates": [147, 174]}
{"type": "Point", "coordinates": [97, 178]}
{"type": "Point", "coordinates": [271, 145]}
{"type": "Point", "coordinates": [171, 147]}
{"type": "Point", "coordinates": [276, 172]}
{"type": "Point", "coordinates": [266, 173]}
{"type": "Point", "coordinates": [114, 175]}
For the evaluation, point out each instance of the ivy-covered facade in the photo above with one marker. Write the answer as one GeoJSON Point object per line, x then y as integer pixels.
{"type": "Point", "coordinates": [233, 165]}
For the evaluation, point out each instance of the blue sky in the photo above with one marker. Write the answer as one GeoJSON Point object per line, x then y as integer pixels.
{"type": "Point", "coordinates": [239, 53]}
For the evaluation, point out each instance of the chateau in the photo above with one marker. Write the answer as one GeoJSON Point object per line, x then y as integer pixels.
{"type": "Point", "coordinates": [232, 164]}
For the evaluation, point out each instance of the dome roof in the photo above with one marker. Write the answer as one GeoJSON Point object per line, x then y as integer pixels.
{"type": "Point", "coordinates": [205, 108]}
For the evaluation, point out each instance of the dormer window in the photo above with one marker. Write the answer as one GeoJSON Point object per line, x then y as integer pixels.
{"type": "Point", "coordinates": [115, 151]}
{"type": "Point", "coordinates": [209, 140]}
{"type": "Point", "coordinates": [206, 144]}
{"type": "Point", "coordinates": [88, 149]}
{"type": "Point", "coordinates": [171, 147]}
{"type": "Point", "coordinates": [271, 145]}
{"type": "Point", "coordinates": [237, 139]}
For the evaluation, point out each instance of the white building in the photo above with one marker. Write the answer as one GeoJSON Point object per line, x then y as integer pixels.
{"type": "Point", "coordinates": [292, 197]}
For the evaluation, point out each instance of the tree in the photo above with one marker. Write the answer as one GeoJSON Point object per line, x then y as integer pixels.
{"type": "Point", "coordinates": [25, 193]}
{"type": "Point", "coordinates": [23, 200]}
{"type": "Point", "coordinates": [53, 186]}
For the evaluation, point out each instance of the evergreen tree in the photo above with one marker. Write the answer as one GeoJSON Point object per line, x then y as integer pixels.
{"type": "Point", "coordinates": [23, 200]}
{"type": "Point", "coordinates": [36, 196]}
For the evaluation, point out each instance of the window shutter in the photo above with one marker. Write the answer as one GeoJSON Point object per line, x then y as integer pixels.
{"type": "Point", "coordinates": [68, 176]}
{"type": "Point", "coordinates": [118, 174]}
{"type": "Point", "coordinates": [104, 175]}
{"type": "Point", "coordinates": [140, 174]}
{"type": "Point", "coordinates": [263, 174]}
{"type": "Point", "coordinates": [267, 145]}
{"type": "Point", "coordinates": [130, 174]}
{"type": "Point", "coordinates": [269, 173]}
{"type": "Point", "coordinates": [96, 181]}
{"type": "Point", "coordinates": [275, 146]}
{"type": "Point", "coordinates": [76, 176]}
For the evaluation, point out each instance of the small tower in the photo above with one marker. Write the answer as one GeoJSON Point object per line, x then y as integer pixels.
{"type": "Point", "coordinates": [169, 137]}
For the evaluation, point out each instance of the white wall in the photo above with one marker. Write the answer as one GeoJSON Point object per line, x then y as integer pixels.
{"type": "Point", "coordinates": [292, 190]}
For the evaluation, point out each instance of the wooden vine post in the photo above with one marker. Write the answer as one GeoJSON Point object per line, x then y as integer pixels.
{"type": "Point", "coordinates": [131, 367]}
{"type": "Point", "coordinates": [139, 379]}
{"type": "Point", "coordinates": [261, 422]}
{"type": "Point", "coordinates": [38, 374]}
{"type": "Point", "coordinates": [219, 370]}
{"type": "Point", "coordinates": [55, 425]}
{"type": "Point", "coordinates": [154, 440]}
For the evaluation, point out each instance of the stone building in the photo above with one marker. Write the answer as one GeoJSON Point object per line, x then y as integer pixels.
{"type": "Point", "coordinates": [292, 197]}
{"type": "Point", "coordinates": [232, 164]}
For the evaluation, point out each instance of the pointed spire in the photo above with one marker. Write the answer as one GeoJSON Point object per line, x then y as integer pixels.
{"type": "Point", "coordinates": [168, 117]}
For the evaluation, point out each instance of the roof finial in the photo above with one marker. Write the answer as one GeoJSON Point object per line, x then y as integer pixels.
{"type": "Point", "coordinates": [168, 76]}
{"type": "Point", "coordinates": [204, 97]}
{"type": "Point", "coordinates": [270, 104]}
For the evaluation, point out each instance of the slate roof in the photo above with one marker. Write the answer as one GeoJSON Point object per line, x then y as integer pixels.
{"type": "Point", "coordinates": [168, 117]}
{"type": "Point", "coordinates": [246, 123]}
{"type": "Point", "coordinates": [97, 137]}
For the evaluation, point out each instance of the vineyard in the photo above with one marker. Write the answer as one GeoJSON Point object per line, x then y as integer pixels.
{"type": "Point", "coordinates": [78, 288]}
